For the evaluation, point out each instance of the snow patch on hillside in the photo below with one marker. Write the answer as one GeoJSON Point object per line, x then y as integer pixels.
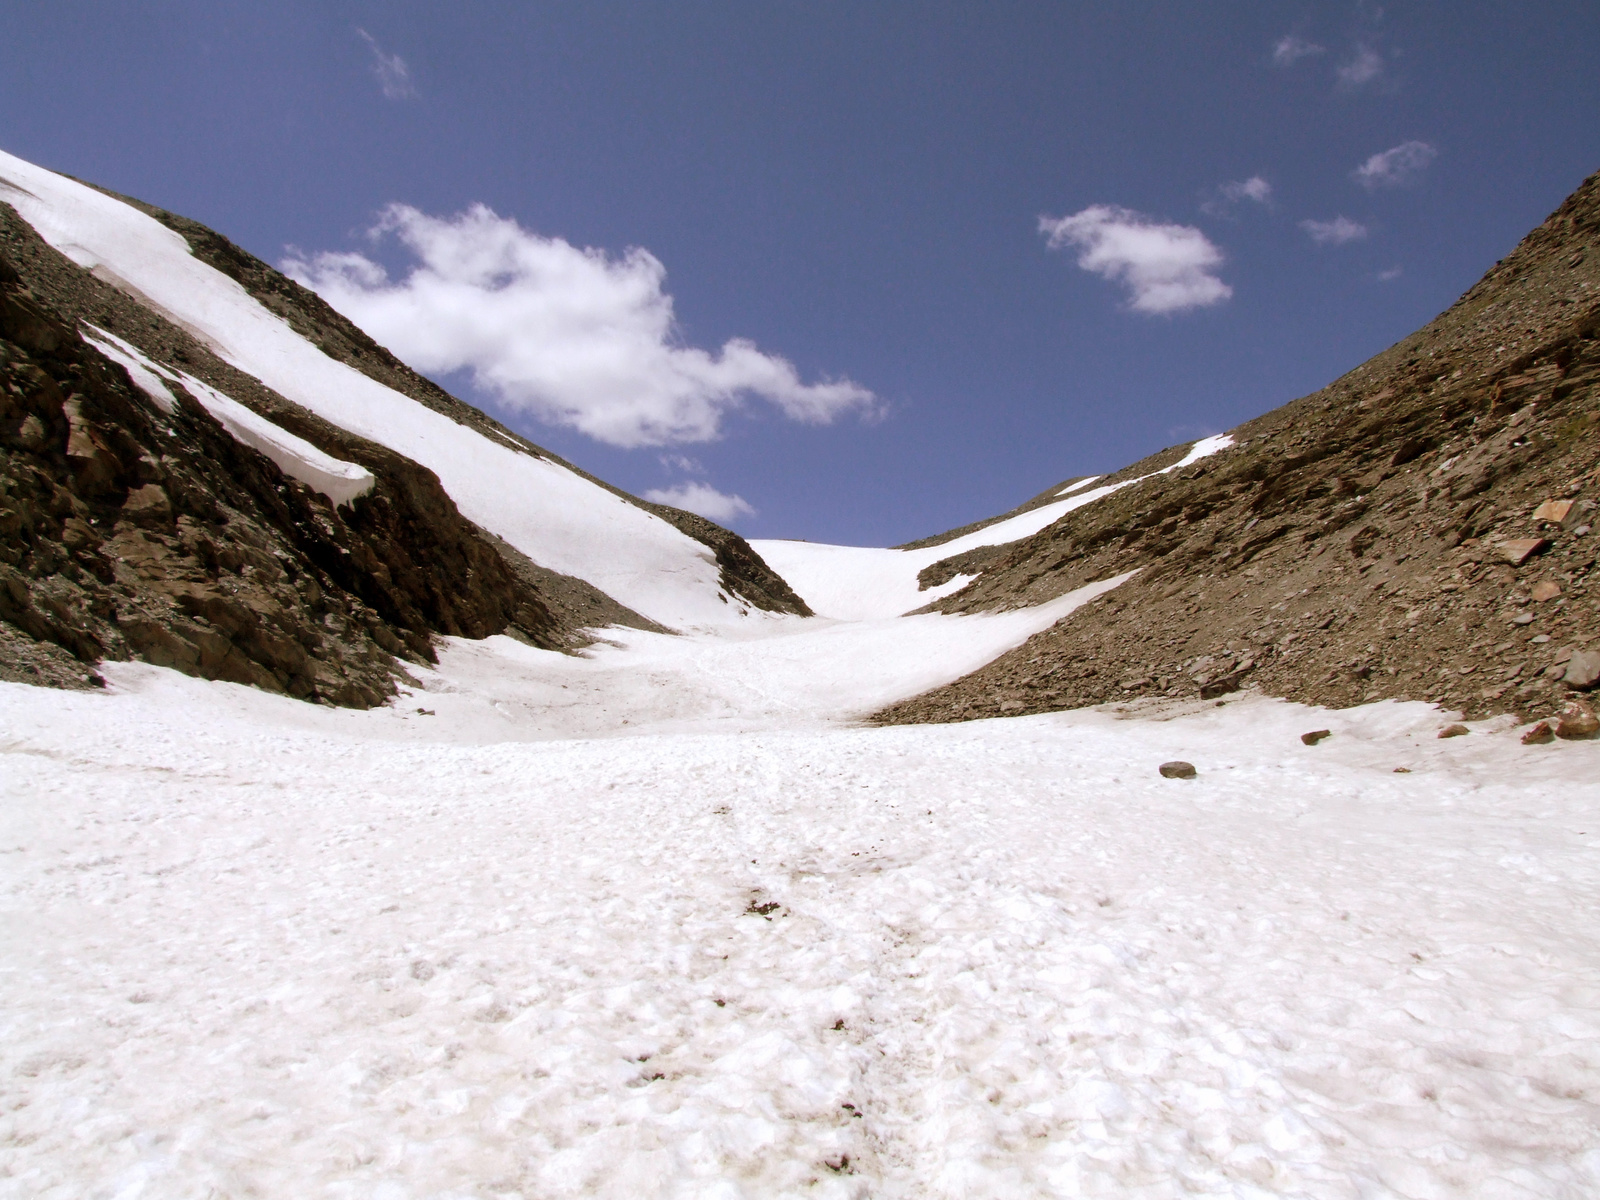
{"type": "Point", "coordinates": [340, 481]}
{"type": "Point", "coordinates": [859, 583]}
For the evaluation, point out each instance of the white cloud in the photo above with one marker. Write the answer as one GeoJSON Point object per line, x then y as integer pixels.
{"type": "Point", "coordinates": [1391, 274]}
{"type": "Point", "coordinates": [1365, 66]}
{"type": "Point", "coordinates": [681, 462]}
{"type": "Point", "coordinates": [393, 74]}
{"type": "Point", "coordinates": [1166, 268]}
{"type": "Point", "coordinates": [1335, 232]}
{"type": "Point", "coordinates": [576, 337]}
{"type": "Point", "coordinates": [1291, 48]}
{"type": "Point", "coordinates": [1395, 167]}
{"type": "Point", "coordinates": [1255, 188]}
{"type": "Point", "coordinates": [1229, 196]}
{"type": "Point", "coordinates": [704, 499]}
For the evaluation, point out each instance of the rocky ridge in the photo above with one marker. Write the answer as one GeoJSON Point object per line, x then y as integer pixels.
{"type": "Point", "coordinates": [1420, 529]}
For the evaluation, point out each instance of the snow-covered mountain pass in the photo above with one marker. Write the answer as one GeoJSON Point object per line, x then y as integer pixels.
{"type": "Point", "coordinates": [551, 514]}
{"type": "Point", "coordinates": [860, 583]}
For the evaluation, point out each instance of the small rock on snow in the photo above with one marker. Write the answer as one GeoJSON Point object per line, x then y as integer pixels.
{"type": "Point", "coordinates": [1177, 770]}
{"type": "Point", "coordinates": [1454, 731]}
{"type": "Point", "coordinates": [1539, 735]}
{"type": "Point", "coordinates": [1315, 736]}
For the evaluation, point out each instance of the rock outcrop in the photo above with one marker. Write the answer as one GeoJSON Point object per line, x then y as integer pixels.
{"type": "Point", "coordinates": [1420, 528]}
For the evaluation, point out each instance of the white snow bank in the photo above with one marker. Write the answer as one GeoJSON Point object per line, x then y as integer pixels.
{"type": "Point", "coordinates": [554, 516]}
{"type": "Point", "coordinates": [248, 956]}
{"type": "Point", "coordinates": [338, 480]}
{"type": "Point", "coordinates": [858, 583]}
{"type": "Point", "coordinates": [1082, 483]}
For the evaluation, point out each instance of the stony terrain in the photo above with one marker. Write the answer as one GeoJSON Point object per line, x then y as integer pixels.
{"type": "Point", "coordinates": [1420, 528]}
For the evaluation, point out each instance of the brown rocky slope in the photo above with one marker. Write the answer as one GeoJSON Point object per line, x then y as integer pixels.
{"type": "Point", "coordinates": [1418, 529]}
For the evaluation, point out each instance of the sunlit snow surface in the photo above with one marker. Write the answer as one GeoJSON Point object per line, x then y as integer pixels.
{"type": "Point", "coordinates": [259, 948]}
{"type": "Point", "coordinates": [861, 583]}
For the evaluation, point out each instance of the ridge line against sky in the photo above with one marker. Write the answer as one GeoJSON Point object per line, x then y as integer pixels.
{"type": "Point", "coordinates": [923, 262]}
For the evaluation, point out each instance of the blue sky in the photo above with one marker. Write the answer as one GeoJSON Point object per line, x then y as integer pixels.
{"type": "Point", "coordinates": [855, 194]}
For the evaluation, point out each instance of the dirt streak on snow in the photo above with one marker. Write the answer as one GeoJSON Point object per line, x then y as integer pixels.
{"type": "Point", "coordinates": [252, 952]}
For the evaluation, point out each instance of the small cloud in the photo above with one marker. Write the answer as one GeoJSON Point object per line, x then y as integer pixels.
{"type": "Point", "coordinates": [1365, 66]}
{"type": "Point", "coordinates": [1335, 232]}
{"type": "Point", "coordinates": [1229, 195]}
{"type": "Point", "coordinates": [1391, 274]}
{"type": "Point", "coordinates": [682, 462]}
{"type": "Point", "coordinates": [1255, 188]}
{"type": "Point", "coordinates": [576, 336]}
{"type": "Point", "coordinates": [1395, 167]}
{"type": "Point", "coordinates": [393, 74]}
{"type": "Point", "coordinates": [703, 499]}
{"type": "Point", "coordinates": [1291, 48]}
{"type": "Point", "coordinates": [1166, 268]}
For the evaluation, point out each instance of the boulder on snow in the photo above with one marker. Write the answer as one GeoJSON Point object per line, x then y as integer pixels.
{"type": "Point", "coordinates": [1583, 670]}
{"type": "Point", "coordinates": [1539, 735]}
{"type": "Point", "coordinates": [1315, 736]}
{"type": "Point", "coordinates": [1457, 730]}
{"type": "Point", "coordinates": [1177, 769]}
{"type": "Point", "coordinates": [1577, 721]}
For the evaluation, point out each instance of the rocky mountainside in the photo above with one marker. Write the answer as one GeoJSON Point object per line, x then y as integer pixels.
{"type": "Point", "coordinates": [1420, 528]}
{"type": "Point", "coordinates": [144, 526]}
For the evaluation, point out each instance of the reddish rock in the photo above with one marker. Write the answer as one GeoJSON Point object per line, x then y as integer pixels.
{"type": "Point", "coordinates": [1554, 511]}
{"type": "Point", "coordinates": [1454, 731]}
{"type": "Point", "coordinates": [1315, 736]}
{"type": "Point", "coordinates": [1539, 735]}
{"type": "Point", "coordinates": [1519, 550]}
{"type": "Point", "coordinates": [1546, 589]}
{"type": "Point", "coordinates": [1577, 721]}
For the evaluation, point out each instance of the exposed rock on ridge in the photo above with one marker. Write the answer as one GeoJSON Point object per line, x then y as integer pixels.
{"type": "Point", "coordinates": [1387, 536]}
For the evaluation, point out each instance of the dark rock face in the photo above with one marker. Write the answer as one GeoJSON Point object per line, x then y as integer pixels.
{"type": "Point", "coordinates": [129, 532]}
{"type": "Point", "coordinates": [1421, 529]}
{"type": "Point", "coordinates": [743, 572]}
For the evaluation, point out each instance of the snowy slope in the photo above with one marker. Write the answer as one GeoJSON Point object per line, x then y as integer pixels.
{"type": "Point", "coordinates": [858, 583]}
{"type": "Point", "coordinates": [557, 518]}
{"type": "Point", "coordinates": [257, 948]}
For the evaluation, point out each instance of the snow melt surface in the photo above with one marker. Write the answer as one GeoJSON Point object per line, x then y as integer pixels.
{"type": "Point", "coordinates": [859, 583]}
{"type": "Point", "coordinates": [257, 948]}
{"type": "Point", "coordinates": [555, 517]}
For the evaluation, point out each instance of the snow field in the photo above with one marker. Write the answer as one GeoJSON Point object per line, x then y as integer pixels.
{"type": "Point", "coordinates": [861, 583]}
{"type": "Point", "coordinates": [251, 952]}
{"type": "Point", "coordinates": [557, 518]}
